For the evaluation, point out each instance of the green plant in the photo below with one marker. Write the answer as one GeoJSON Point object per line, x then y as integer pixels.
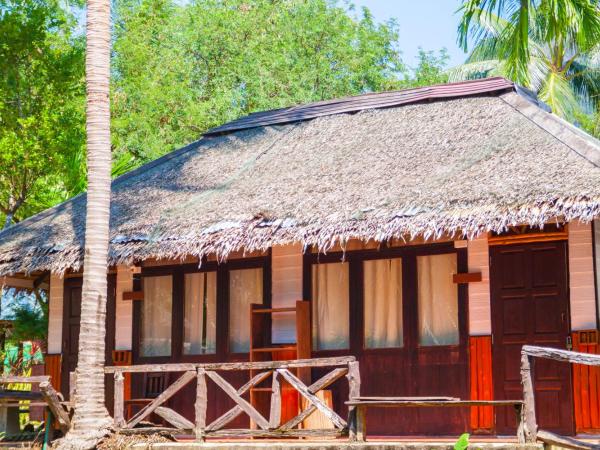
{"type": "Point", "coordinates": [463, 442]}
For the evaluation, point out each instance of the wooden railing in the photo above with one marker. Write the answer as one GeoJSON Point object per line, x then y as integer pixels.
{"type": "Point", "coordinates": [528, 354]}
{"type": "Point", "coordinates": [266, 427]}
{"type": "Point", "coordinates": [47, 394]}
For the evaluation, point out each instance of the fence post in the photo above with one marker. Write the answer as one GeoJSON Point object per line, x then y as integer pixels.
{"type": "Point", "coordinates": [201, 404]}
{"type": "Point", "coordinates": [353, 377]}
{"type": "Point", "coordinates": [119, 404]}
{"type": "Point", "coordinates": [530, 425]}
{"type": "Point", "coordinates": [275, 413]}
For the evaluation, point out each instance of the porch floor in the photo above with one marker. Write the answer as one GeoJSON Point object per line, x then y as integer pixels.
{"type": "Point", "coordinates": [373, 443]}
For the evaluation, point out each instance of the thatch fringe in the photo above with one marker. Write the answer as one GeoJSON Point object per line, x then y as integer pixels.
{"type": "Point", "coordinates": [260, 235]}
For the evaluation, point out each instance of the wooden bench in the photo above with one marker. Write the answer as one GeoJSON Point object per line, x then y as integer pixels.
{"type": "Point", "coordinates": [357, 425]}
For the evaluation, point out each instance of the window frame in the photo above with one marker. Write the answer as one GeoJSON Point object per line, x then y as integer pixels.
{"type": "Point", "coordinates": [178, 272]}
{"type": "Point", "coordinates": [408, 253]}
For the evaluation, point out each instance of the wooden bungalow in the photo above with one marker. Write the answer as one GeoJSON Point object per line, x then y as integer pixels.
{"type": "Point", "coordinates": [430, 233]}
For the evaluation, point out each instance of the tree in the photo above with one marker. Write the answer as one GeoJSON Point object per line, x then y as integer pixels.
{"type": "Point", "coordinates": [550, 46]}
{"type": "Point", "coordinates": [91, 420]}
{"type": "Point", "coordinates": [181, 68]}
{"type": "Point", "coordinates": [41, 106]}
{"type": "Point", "coordinates": [431, 69]}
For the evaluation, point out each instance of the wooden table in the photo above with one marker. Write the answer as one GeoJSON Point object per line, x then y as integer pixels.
{"type": "Point", "coordinates": [358, 408]}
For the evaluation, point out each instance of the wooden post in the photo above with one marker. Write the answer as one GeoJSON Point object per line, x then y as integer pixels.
{"type": "Point", "coordinates": [275, 414]}
{"type": "Point", "coordinates": [361, 424]}
{"type": "Point", "coordinates": [201, 404]}
{"type": "Point", "coordinates": [119, 403]}
{"type": "Point", "coordinates": [72, 383]}
{"type": "Point", "coordinates": [51, 398]}
{"type": "Point", "coordinates": [353, 377]}
{"type": "Point", "coordinates": [519, 410]}
{"type": "Point", "coordinates": [530, 425]}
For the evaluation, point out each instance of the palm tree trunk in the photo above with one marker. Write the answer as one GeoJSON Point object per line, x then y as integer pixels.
{"type": "Point", "coordinates": [91, 420]}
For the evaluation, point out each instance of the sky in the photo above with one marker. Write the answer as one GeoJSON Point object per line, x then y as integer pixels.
{"type": "Point", "coordinates": [430, 24]}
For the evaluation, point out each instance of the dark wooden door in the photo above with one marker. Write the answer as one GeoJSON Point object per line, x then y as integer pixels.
{"type": "Point", "coordinates": [71, 322]}
{"type": "Point", "coordinates": [530, 305]}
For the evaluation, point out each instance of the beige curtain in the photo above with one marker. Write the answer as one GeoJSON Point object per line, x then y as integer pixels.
{"type": "Point", "coordinates": [438, 300]}
{"type": "Point", "coordinates": [200, 332]}
{"type": "Point", "coordinates": [157, 308]}
{"type": "Point", "coordinates": [330, 306]}
{"type": "Point", "coordinates": [383, 303]}
{"type": "Point", "coordinates": [245, 287]}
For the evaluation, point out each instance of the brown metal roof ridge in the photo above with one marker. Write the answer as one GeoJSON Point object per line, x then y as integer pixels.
{"type": "Point", "coordinates": [365, 101]}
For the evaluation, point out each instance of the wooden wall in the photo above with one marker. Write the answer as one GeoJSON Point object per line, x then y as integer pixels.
{"type": "Point", "coordinates": [586, 384]}
{"type": "Point", "coordinates": [52, 368]}
{"type": "Point", "coordinates": [581, 277]}
{"type": "Point", "coordinates": [124, 309]}
{"type": "Point", "coordinates": [55, 315]}
{"type": "Point", "coordinates": [480, 319]}
{"type": "Point", "coordinates": [482, 387]}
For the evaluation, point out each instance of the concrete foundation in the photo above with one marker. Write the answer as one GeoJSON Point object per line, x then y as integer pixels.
{"type": "Point", "coordinates": [335, 445]}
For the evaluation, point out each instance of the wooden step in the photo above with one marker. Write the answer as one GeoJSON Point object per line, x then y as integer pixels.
{"type": "Point", "coordinates": [279, 348]}
{"type": "Point", "coordinates": [273, 310]}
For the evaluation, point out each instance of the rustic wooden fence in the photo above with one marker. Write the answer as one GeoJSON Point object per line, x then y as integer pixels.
{"type": "Point", "coordinates": [266, 427]}
{"type": "Point", "coordinates": [528, 355]}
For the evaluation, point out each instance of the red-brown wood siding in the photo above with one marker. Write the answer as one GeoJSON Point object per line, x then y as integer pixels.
{"type": "Point", "coordinates": [586, 384]}
{"type": "Point", "coordinates": [482, 387]}
{"type": "Point", "coordinates": [53, 369]}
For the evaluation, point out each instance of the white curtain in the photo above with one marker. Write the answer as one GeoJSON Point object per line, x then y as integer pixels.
{"type": "Point", "coordinates": [157, 316]}
{"type": "Point", "coordinates": [383, 303]}
{"type": "Point", "coordinates": [330, 306]}
{"type": "Point", "coordinates": [245, 287]}
{"type": "Point", "coordinates": [200, 332]}
{"type": "Point", "coordinates": [438, 299]}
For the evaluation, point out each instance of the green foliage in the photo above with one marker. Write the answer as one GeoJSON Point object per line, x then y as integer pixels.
{"type": "Point", "coordinates": [29, 323]}
{"type": "Point", "coordinates": [463, 442]}
{"type": "Point", "coordinates": [431, 69]}
{"type": "Point", "coordinates": [41, 107]}
{"type": "Point", "coordinates": [550, 46]}
{"type": "Point", "coordinates": [181, 69]}
{"type": "Point", "coordinates": [28, 313]}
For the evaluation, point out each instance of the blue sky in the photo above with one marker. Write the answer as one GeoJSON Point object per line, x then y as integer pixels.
{"type": "Point", "coordinates": [430, 24]}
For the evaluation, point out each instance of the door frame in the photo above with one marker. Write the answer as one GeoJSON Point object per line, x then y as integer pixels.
{"type": "Point", "coordinates": [416, 357]}
{"type": "Point", "coordinates": [111, 312]}
{"type": "Point", "coordinates": [493, 309]}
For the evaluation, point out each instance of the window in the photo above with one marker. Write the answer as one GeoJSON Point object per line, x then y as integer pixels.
{"type": "Point", "coordinates": [438, 300]}
{"type": "Point", "coordinates": [245, 288]}
{"type": "Point", "coordinates": [330, 306]}
{"type": "Point", "coordinates": [156, 316]}
{"type": "Point", "coordinates": [200, 314]}
{"type": "Point", "coordinates": [383, 303]}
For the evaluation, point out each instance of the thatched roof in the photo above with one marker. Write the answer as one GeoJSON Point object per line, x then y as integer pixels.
{"type": "Point", "coordinates": [464, 163]}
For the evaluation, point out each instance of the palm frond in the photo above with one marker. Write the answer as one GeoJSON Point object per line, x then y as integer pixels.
{"type": "Point", "coordinates": [557, 92]}
{"type": "Point", "coordinates": [475, 70]}
{"type": "Point", "coordinates": [585, 82]}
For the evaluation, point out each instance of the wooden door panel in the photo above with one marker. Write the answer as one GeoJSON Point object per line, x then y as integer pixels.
{"type": "Point", "coordinates": [514, 316]}
{"type": "Point", "coordinates": [441, 380]}
{"type": "Point", "coordinates": [387, 373]}
{"type": "Point", "coordinates": [71, 324]}
{"type": "Point", "coordinates": [530, 306]}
